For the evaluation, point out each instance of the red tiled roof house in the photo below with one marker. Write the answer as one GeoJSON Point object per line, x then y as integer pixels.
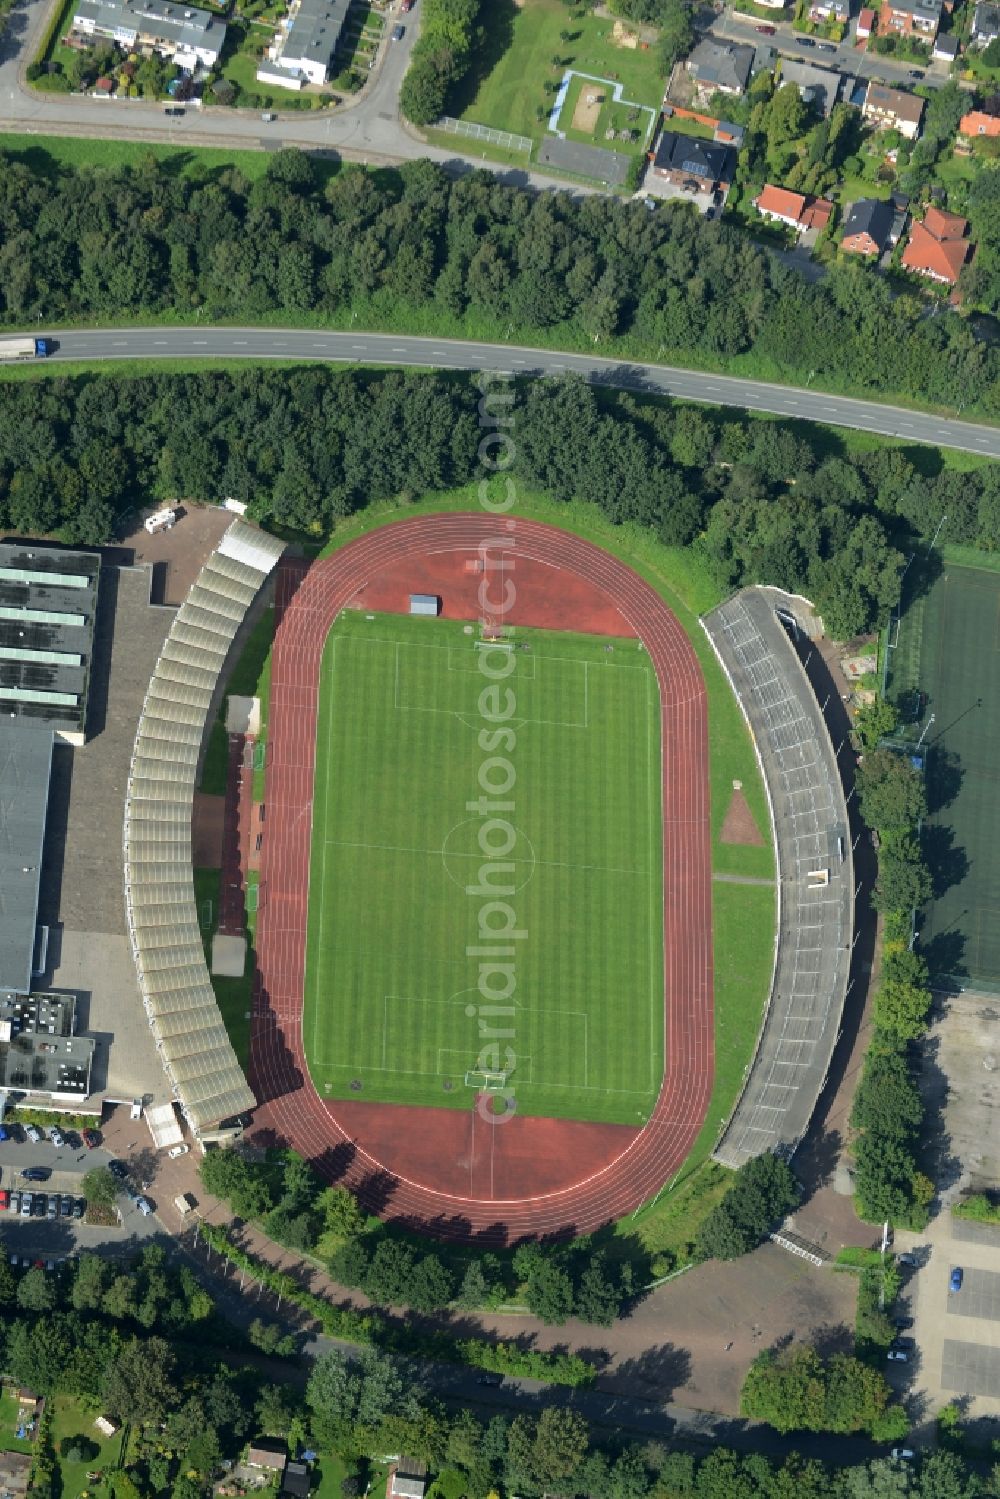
{"type": "Point", "coordinates": [937, 247]}
{"type": "Point", "coordinates": [798, 210]}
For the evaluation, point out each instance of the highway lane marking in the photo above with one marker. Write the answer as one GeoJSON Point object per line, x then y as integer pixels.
{"type": "Point", "coordinates": [119, 343]}
{"type": "Point", "coordinates": [199, 340]}
{"type": "Point", "coordinates": [240, 342]}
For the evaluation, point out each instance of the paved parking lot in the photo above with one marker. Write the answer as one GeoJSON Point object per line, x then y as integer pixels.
{"type": "Point", "coordinates": [979, 1296]}
{"type": "Point", "coordinates": [52, 1238]}
{"type": "Point", "coordinates": [970, 1368]}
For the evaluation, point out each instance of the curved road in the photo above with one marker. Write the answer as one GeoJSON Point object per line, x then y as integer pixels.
{"type": "Point", "coordinates": [450, 353]}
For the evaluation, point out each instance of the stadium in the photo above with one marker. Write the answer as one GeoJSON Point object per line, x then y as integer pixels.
{"type": "Point", "coordinates": [363, 1041]}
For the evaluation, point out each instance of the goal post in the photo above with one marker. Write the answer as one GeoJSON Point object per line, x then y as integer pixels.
{"type": "Point", "coordinates": [486, 1082]}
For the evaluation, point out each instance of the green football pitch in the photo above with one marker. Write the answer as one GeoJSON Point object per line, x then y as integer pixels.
{"type": "Point", "coordinates": [399, 892]}
{"type": "Point", "coordinates": [945, 661]}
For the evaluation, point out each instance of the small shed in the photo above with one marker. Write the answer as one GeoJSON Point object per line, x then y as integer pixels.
{"type": "Point", "coordinates": [407, 1479]}
{"type": "Point", "coordinates": [425, 603]}
{"type": "Point", "coordinates": [106, 1426]}
{"type": "Point", "coordinates": [296, 1480]}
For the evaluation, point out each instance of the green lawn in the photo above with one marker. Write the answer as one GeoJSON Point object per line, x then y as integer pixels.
{"type": "Point", "coordinates": [72, 1418]}
{"type": "Point", "coordinates": [9, 1441]}
{"type": "Point", "coordinates": [57, 152]}
{"type": "Point", "coordinates": [507, 82]}
{"type": "Point", "coordinates": [391, 990]}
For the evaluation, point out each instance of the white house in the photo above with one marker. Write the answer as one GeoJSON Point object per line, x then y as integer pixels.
{"type": "Point", "coordinates": [303, 49]}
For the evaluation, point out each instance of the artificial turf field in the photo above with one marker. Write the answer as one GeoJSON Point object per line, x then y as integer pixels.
{"type": "Point", "coordinates": [949, 648]}
{"type": "Point", "coordinates": [391, 995]}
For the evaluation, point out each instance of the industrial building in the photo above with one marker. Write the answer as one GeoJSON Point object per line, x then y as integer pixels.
{"type": "Point", "coordinates": [48, 603]}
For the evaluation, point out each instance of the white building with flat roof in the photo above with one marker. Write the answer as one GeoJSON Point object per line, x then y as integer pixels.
{"type": "Point", "coordinates": [305, 43]}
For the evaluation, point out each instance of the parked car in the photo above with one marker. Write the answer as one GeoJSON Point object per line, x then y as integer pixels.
{"type": "Point", "coordinates": [268, 118]}
{"type": "Point", "coordinates": [34, 1134]}
{"type": "Point", "coordinates": [118, 1170]}
{"type": "Point", "coordinates": [72, 1139]}
{"type": "Point", "coordinates": [52, 1207]}
{"type": "Point", "coordinates": [36, 1173]}
{"type": "Point", "coordinates": [915, 73]}
{"type": "Point", "coordinates": [405, 6]}
{"type": "Point", "coordinates": [491, 1379]}
{"type": "Point", "coordinates": [79, 1207]}
{"type": "Point", "coordinates": [4, 1132]}
{"type": "Point", "coordinates": [398, 32]}
{"type": "Point", "coordinates": [4, 1198]}
{"type": "Point", "coordinates": [907, 1344]}
{"type": "Point", "coordinates": [57, 1137]}
{"type": "Point", "coordinates": [804, 41]}
{"type": "Point", "coordinates": [826, 47]}
{"type": "Point", "coordinates": [176, 1150]}
{"type": "Point", "coordinates": [66, 1206]}
{"type": "Point", "coordinates": [766, 30]}
{"type": "Point", "coordinates": [902, 1323]}
{"type": "Point", "coordinates": [91, 1138]}
{"type": "Point", "coordinates": [903, 1454]}
{"type": "Point", "coordinates": [173, 109]}
{"type": "Point", "coordinates": [897, 1356]}
{"type": "Point", "coordinates": [26, 1204]}
{"type": "Point", "coordinates": [910, 1260]}
{"type": "Point", "coordinates": [955, 1283]}
{"type": "Point", "coordinates": [144, 1205]}
{"type": "Point", "coordinates": [15, 1202]}
{"type": "Point", "coordinates": [39, 1205]}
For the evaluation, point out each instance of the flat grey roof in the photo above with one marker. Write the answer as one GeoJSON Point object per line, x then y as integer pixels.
{"type": "Point", "coordinates": [315, 30]}
{"type": "Point", "coordinates": [48, 602]}
{"type": "Point", "coordinates": [25, 764]}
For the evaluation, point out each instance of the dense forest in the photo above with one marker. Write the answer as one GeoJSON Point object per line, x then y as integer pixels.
{"type": "Point", "coordinates": [763, 500]}
{"type": "Point", "coordinates": [395, 246]}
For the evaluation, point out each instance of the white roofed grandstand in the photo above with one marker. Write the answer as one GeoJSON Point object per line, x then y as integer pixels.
{"type": "Point", "coordinates": [159, 887]}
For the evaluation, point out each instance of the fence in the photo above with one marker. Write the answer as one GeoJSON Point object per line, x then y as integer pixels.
{"type": "Point", "coordinates": [485, 133]}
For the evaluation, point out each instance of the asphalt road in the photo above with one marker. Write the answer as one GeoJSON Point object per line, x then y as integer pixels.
{"type": "Point", "coordinates": [845, 58]}
{"type": "Point", "coordinates": [442, 353]}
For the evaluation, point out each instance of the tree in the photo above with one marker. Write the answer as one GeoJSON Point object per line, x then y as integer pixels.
{"type": "Point", "coordinates": [8, 1283]}
{"type": "Point", "coordinates": [762, 1192]}
{"type": "Point", "coordinates": [874, 721]}
{"type": "Point", "coordinates": [139, 1385]}
{"type": "Point", "coordinates": [890, 791]}
{"type": "Point", "coordinates": [903, 997]}
{"type": "Point", "coordinates": [598, 1298]}
{"type": "Point", "coordinates": [560, 1445]}
{"type": "Point", "coordinates": [474, 1290]}
{"type": "Point", "coordinates": [276, 1410]}
{"type": "Point", "coordinates": [340, 1212]}
{"type": "Point", "coordinates": [886, 1101]}
{"type": "Point", "coordinates": [36, 1291]}
{"type": "Point", "coordinates": [904, 881]}
{"type": "Point", "coordinates": [99, 1188]}
{"type": "Point", "coordinates": [549, 1291]}
{"type": "Point", "coordinates": [79, 1448]}
{"type": "Point", "coordinates": [229, 1175]}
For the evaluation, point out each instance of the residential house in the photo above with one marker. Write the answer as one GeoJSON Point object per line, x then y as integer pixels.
{"type": "Point", "coordinates": [720, 67]}
{"type": "Point", "coordinates": [407, 1479]}
{"type": "Point", "coordinates": [868, 227]}
{"type": "Point", "coordinates": [917, 18]}
{"type": "Point", "coordinates": [831, 10]}
{"type": "Point", "coordinates": [985, 24]}
{"type": "Point", "coordinates": [188, 37]}
{"type": "Point", "coordinates": [937, 247]}
{"type": "Point", "coordinates": [945, 48]}
{"type": "Point", "coordinates": [303, 49]}
{"type": "Point", "coordinates": [866, 23]}
{"type": "Point", "coordinates": [893, 109]}
{"type": "Point", "coordinates": [798, 211]}
{"type": "Point", "coordinates": [691, 164]}
{"type": "Point", "coordinates": [267, 1453]}
{"type": "Point", "coordinates": [817, 86]}
{"type": "Point", "coordinates": [15, 1470]}
{"type": "Point", "coordinates": [985, 121]}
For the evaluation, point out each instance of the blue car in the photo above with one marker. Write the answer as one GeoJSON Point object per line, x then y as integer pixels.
{"type": "Point", "coordinates": [955, 1284]}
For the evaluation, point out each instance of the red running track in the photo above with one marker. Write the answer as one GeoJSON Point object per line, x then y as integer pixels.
{"type": "Point", "coordinates": [591, 1191]}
